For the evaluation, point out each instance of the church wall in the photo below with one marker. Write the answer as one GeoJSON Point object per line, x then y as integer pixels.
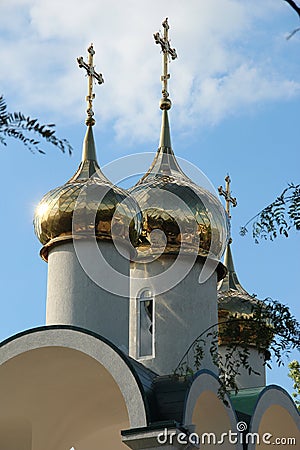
{"type": "Point", "coordinates": [73, 298]}
{"type": "Point", "coordinates": [181, 314]}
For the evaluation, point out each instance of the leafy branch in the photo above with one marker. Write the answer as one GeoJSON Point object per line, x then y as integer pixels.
{"type": "Point", "coordinates": [277, 218]}
{"type": "Point", "coordinates": [16, 125]}
{"type": "Point", "coordinates": [294, 373]}
{"type": "Point", "coordinates": [270, 328]}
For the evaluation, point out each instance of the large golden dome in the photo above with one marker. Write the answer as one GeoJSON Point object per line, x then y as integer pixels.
{"type": "Point", "coordinates": [86, 205]}
{"type": "Point", "coordinates": [178, 215]}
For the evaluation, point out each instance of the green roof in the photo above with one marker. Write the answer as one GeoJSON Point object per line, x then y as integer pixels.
{"type": "Point", "coordinates": [245, 400]}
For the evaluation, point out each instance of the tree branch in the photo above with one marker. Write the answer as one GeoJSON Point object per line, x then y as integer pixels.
{"type": "Point", "coordinates": [278, 217]}
{"type": "Point", "coordinates": [19, 127]}
{"type": "Point", "coordinates": [294, 6]}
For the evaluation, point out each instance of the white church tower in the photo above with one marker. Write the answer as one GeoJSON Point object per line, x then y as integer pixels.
{"type": "Point", "coordinates": [184, 235]}
{"type": "Point", "coordinates": [79, 224]}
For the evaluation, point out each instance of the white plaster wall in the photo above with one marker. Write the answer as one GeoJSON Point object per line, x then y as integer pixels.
{"type": "Point", "coordinates": [256, 361]}
{"type": "Point", "coordinates": [181, 314]}
{"type": "Point", "coordinates": [73, 298]}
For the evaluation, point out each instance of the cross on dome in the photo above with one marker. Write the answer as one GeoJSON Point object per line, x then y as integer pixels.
{"type": "Point", "coordinates": [92, 75]}
{"type": "Point", "coordinates": [227, 194]}
{"type": "Point", "coordinates": [167, 52]}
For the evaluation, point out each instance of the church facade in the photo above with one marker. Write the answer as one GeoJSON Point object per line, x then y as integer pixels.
{"type": "Point", "coordinates": [134, 277]}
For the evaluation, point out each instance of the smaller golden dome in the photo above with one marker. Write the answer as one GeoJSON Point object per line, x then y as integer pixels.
{"type": "Point", "coordinates": [87, 205]}
{"type": "Point", "coordinates": [235, 303]}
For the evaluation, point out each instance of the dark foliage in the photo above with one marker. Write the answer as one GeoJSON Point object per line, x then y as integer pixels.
{"type": "Point", "coordinates": [283, 214]}
{"type": "Point", "coordinates": [294, 374]}
{"type": "Point", "coordinates": [270, 328]}
{"type": "Point", "coordinates": [16, 125]}
{"type": "Point", "coordinates": [278, 218]}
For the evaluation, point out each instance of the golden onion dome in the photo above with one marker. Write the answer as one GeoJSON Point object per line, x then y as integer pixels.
{"type": "Point", "coordinates": [235, 302]}
{"type": "Point", "coordinates": [87, 205]}
{"type": "Point", "coordinates": [178, 215]}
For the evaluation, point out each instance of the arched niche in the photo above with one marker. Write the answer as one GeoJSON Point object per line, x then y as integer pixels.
{"type": "Point", "coordinates": [208, 413]}
{"type": "Point", "coordinates": [275, 417]}
{"type": "Point", "coordinates": [70, 388]}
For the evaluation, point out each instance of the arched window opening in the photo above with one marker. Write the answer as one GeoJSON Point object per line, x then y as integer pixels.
{"type": "Point", "coordinates": [145, 313]}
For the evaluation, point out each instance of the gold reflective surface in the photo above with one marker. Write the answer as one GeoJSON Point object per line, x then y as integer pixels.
{"type": "Point", "coordinates": [190, 218]}
{"type": "Point", "coordinates": [242, 308]}
{"type": "Point", "coordinates": [165, 212]}
{"type": "Point", "coordinates": [88, 204]}
{"type": "Point", "coordinates": [233, 302]}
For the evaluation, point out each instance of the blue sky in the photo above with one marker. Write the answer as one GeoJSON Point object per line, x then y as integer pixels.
{"type": "Point", "coordinates": [236, 105]}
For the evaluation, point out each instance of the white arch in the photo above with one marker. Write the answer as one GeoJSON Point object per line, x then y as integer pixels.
{"type": "Point", "coordinates": [202, 400]}
{"type": "Point", "coordinates": [56, 378]}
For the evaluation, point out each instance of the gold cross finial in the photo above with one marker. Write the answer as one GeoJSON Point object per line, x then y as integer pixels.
{"type": "Point", "coordinates": [92, 74]}
{"type": "Point", "coordinates": [167, 52]}
{"type": "Point", "coordinates": [227, 194]}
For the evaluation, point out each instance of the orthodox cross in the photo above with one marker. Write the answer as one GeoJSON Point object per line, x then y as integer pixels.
{"type": "Point", "coordinates": [92, 75]}
{"type": "Point", "coordinates": [227, 194]}
{"type": "Point", "coordinates": [168, 52]}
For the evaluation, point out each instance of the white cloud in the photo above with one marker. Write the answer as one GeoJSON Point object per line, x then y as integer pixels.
{"type": "Point", "coordinates": [215, 98]}
{"type": "Point", "coordinates": [213, 76]}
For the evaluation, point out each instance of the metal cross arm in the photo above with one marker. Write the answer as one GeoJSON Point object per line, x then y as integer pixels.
{"type": "Point", "coordinates": [227, 195]}
{"type": "Point", "coordinates": [90, 70]}
{"type": "Point", "coordinates": [165, 45]}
